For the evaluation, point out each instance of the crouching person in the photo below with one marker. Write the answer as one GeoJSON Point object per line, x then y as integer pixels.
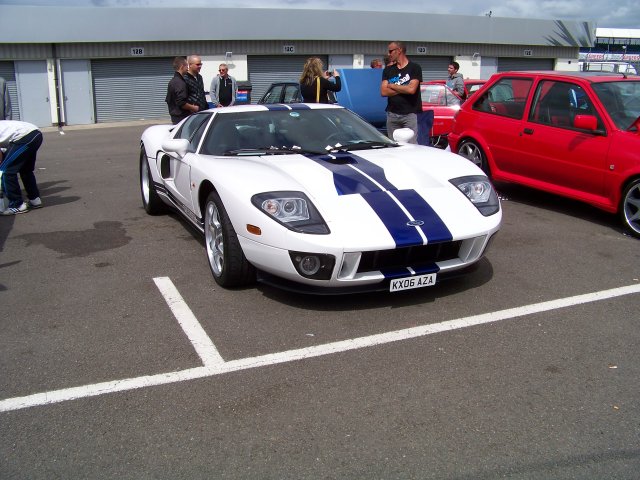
{"type": "Point", "coordinates": [20, 142]}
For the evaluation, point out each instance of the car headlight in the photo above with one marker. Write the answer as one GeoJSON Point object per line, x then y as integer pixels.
{"type": "Point", "coordinates": [293, 210]}
{"type": "Point", "coordinates": [480, 192]}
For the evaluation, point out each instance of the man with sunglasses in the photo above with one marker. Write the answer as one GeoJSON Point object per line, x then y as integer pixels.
{"type": "Point", "coordinates": [401, 85]}
{"type": "Point", "coordinates": [223, 88]}
{"type": "Point", "coordinates": [195, 84]}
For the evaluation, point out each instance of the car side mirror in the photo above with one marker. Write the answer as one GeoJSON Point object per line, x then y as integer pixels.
{"type": "Point", "coordinates": [176, 145]}
{"type": "Point", "coordinates": [403, 135]}
{"type": "Point", "coordinates": [585, 122]}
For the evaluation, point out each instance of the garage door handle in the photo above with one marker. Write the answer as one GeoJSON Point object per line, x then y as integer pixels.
{"type": "Point", "coordinates": [528, 131]}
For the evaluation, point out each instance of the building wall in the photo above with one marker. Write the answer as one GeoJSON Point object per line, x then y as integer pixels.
{"type": "Point", "coordinates": [73, 35]}
{"type": "Point", "coordinates": [9, 51]}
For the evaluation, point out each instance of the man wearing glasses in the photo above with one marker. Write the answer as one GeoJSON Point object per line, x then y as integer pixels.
{"type": "Point", "coordinates": [401, 85]}
{"type": "Point", "coordinates": [223, 88]}
{"type": "Point", "coordinates": [195, 84]}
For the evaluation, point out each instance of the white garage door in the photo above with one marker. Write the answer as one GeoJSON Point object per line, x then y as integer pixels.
{"type": "Point", "coordinates": [7, 71]}
{"type": "Point", "coordinates": [433, 68]}
{"type": "Point", "coordinates": [131, 89]}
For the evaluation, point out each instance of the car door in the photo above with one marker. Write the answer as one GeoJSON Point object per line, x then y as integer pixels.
{"type": "Point", "coordinates": [291, 94]}
{"type": "Point", "coordinates": [176, 170]}
{"type": "Point", "coordinates": [499, 121]}
{"type": "Point", "coordinates": [554, 151]}
{"type": "Point", "coordinates": [273, 95]}
{"type": "Point", "coordinates": [444, 103]}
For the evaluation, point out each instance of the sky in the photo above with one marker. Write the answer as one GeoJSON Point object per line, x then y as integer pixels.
{"type": "Point", "coordinates": [605, 13]}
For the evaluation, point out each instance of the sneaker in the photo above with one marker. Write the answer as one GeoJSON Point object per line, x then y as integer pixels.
{"type": "Point", "coordinates": [35, 203]}
{"type": "Point", "coordinates": [23, 208]}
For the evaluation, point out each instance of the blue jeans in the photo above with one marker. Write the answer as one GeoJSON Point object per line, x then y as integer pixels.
{"type": "Point", "coordinates": [20, 158]}
{"type": "Point", "coordinates": [396, 121]}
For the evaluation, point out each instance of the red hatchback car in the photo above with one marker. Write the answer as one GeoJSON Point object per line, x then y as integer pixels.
{"type": "Point", "coordinates": [574, 134]}
{"type": "Point", "coordinates": [445, 103]}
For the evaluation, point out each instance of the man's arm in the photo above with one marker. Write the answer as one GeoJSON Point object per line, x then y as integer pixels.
{"type": "Point", "coordinates": [181, 100]}
{"type": "Point", "coordinates": [410, 88]}
{"type": "Point", "coordinates": [458, 86]}
{"type": "Point", "coordinates": [385, 89]}
{"type": "Point", "coordinates": [213, 91]}
{"type": "Point", "coordinates": [234, 90]}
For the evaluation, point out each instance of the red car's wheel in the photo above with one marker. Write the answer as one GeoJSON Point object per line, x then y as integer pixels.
{"type": "Point", "coordinates": [472, 151]}
{"type": "Point", "coordinates": [630, 207]}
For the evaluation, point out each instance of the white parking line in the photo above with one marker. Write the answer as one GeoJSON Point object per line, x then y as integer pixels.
{"type": "Point", "coordinates": [189, 323]}
{"type": "Point", "coordinates": [219, 367]}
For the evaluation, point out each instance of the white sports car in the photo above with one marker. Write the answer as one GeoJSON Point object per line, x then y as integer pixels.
{"type": "Point", "coordinates": [313, 198]}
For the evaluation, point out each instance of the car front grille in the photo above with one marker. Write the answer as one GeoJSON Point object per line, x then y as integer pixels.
{"type": "Point", "coordinates": [408, 256]}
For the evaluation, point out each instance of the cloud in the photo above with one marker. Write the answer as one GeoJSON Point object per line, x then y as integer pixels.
{"type": "Point", "coordinates": [618, 14]}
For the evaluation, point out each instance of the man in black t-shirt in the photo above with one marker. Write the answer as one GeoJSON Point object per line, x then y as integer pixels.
{"type": "Point", "coordinates": [401, 86]}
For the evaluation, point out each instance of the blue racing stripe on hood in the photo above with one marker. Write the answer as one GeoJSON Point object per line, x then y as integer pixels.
{"type": "Point", "coordinates": [353, 174]}
{"type": "Point", "coordinates": [299, 106]}
{"type": "Point", "coordinates": [393, 218]}
{"type": "Point", "coordinates": [372, 170]}
{"type": "Point", "coordinates": [276, 107]}
{"type": "Point", "coordinates": [433, 227]}
{"type": "Point", "coordinates": [346, 180]}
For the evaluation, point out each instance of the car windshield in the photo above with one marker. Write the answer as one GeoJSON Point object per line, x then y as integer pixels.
{"type": "Point", "coordinates": [286, 131]}
{"type": "Point", "coordinates": [621, 99]}
{"type": "Point", "coordinates": [438, 95]}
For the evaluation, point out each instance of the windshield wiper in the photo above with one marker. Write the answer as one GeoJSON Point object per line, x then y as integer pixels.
{"type": "Point", "coordinates": [362, 145]}
{"type": "Point", "coordinates": [271, 151]}
{"type": "Point", "coordinates": [246, 151]}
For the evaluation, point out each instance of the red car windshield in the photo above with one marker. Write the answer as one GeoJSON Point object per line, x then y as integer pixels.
{"type": "Point", "coordinates": [436, 94]}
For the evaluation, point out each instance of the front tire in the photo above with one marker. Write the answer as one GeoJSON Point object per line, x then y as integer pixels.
{"type": "Point", "coordinates": [151, 202]}
{"type": "Point", "coordinates": [228, 264]}
{"type": "Point", "coordinates": [472, 151]}
{"type": "Point", "coordinates": [630, 207]}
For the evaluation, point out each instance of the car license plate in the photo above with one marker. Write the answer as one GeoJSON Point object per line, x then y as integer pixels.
{"type": "Point", "coordinates": [419, 281]}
